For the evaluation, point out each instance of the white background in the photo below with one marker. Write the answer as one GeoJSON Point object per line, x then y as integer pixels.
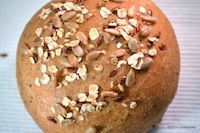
{"type": "Point", "coordinates": [184, 111]}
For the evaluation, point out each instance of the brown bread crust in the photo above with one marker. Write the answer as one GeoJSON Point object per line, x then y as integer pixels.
{"type": "Point", "coordinates": [153, 90]}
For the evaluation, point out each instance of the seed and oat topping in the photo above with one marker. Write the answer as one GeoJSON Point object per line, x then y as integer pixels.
{"type": "Point", "coordinates": [75, 51]}
{"type": "Point", "coordinates": [86, 102]}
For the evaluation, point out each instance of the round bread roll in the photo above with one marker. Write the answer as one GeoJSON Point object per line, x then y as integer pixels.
{"type": "Point", "coordinates": [98, 66]}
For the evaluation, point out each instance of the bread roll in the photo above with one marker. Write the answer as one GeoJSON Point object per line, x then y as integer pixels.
{"type": "Point", "coordinates": [98, 66]}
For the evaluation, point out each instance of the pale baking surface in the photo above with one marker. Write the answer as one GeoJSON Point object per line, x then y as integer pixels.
{"type": "Point", "coordinates": [183, 114]}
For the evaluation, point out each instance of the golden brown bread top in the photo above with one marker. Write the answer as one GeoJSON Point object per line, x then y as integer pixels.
{"type": "Point", "coordinates": [109, 66]}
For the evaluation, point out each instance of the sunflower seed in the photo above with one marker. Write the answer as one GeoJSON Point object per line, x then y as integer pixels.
{"type": "Point", "coordinates": [57, 23]}
{"type": "Point", "coordinates": [130, 78]}
{"type": "Point", "coordinates": [124, 34]}
{"type": "Point", "coordinates": [73, 43]}
{"type": "Point", "coordinates": [90, 46]}
{"type": "Point", "coordinates": [132, 44]}
{"type": "Point", "coordinates": [82, 37]}
{"type": "Point", "coordinates": [145, 31]}
{"type": "Point", "coordinates": [129, 29]}
{"type": "Point", "coordinates": [68, 15]}
{"type": "Point", "coordinates": [93, 34]}
{"type": "Point", "coordinates": [58, 109]}
{"type": "Point", "coordinates": [147, 62]}
{"type": "Point", "coordinates": [73, 60]}
{"type": "Point", "coordinates": [106, 38]}
{"type": "Point", "coordinates": [94, 55]}
{"type": "Point", "coordinates": [149, 19]}
{"type": "Point", "coordinates": [119, 53]}
{"type": "Point", "coordinates": [78, 51]}
{"type": "Point", "coordinates": [131, 11]}
{"type": "Point", "coordinates": [64, 62]}
{"type": "Point", "coordinates": [109, 94]}
{"type": "Point", "coordinates": [122, 13]}
{"type": "Point", "coordinates": [112, 31]}
{"type": "Point", "coordinates": [71, 25]}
